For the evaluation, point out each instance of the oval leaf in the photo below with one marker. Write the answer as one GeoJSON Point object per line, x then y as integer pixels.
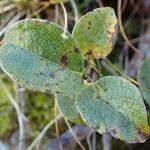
{"type": "Point", "coordinates": [68, 109]}
{"type": "Point", "coordinates": [115, 105]}
{"type": "Point", "coordinates": [37, 73]}
{"type": "Point", "coordinates": [96, 32]}
{"type": "Point", "coordinates": [144, 80]}
{"type": "Point", "coordinates": [47, 40]}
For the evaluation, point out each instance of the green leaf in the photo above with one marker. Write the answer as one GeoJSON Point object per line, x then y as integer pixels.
{"type": "Point", "coordinates": [37, 73]}
{"type": "Point", "coordinates": [96, 32]}
{"type": "Point", "coordinates": [144, 80]}
{"type": "Point", "coordinates": [114, 105]}
{"type": "Point", "coordinates": [58, 1]}
{"type": "Point", "coordinates": [47, 40]}
{"type": "Point", "coordinates": [68, 109]}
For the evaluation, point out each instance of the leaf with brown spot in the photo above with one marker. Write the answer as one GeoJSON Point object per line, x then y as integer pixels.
{"type": "Point", "coordinates": [64, 60]}
{"type": "Point", "coordinates": [77, 50]}
{"type": "Point", "coordinates": [97, 30]}
{"type": "Point", "coordinates": [45, 39]}
{"type": "Point", "coordinates": [38, 74]}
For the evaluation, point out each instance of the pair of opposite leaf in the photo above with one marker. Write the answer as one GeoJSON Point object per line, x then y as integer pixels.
{"type": "Point", "coordinates": [38, 56]}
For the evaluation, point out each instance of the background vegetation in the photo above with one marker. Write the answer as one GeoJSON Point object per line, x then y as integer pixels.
{"type": "Point", "coordinates": [39, 109]}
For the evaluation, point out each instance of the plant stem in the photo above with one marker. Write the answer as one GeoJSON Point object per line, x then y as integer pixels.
{"type": "Point", "coordinates": [80, 144]}
{"type": "Point", "coordinates": [65, 17]}
{"type": "Point", "coordinates": [40, 136]}
{"type": "Point", "coordinates": [74, 6]}
{"type": "Point", "coordinates": [106, 139]}
{"type": "Point", "coordinates": [20, 116]}
{"type": "Point", "coordinates": [20, 97]}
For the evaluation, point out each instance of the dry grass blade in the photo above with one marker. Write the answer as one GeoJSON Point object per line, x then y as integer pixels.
{"type": "Point", "coordinates": [75, 10]}
{"type": "Point", "coordinates": [37, 12]}
{"type": "Point", "coordinates": [82, 147]}
{"type": "Point", "coordinates": [56, 123]}
{"type": "Point", "coordinates": [122, 30]}
{"type": "Point", "coordinates": [120, 72]}
{"type": "Point", "coordinates": [65, 18]}
{"type": "Point", "coordinates": [7, 8]}
{"type": "Point", "coordinates": [100, 3]}
{"type": "Point", "coordinates": [56, 14]}
{"type": "Point", "coordinates": [40, 136]}
{"type": "Point", "coordinates": [20, 116]}
{"type": "Point", "coordinates": [125, 2]}
{"type": "Point", "coordinates": [4, 2]}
